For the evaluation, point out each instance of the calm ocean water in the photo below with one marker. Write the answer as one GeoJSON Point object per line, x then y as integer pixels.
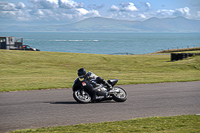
{"type": "Point", "coordinates": [107, 43]}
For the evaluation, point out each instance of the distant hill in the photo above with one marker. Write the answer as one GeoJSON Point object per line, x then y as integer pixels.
{"type": "Point", "coordinates": [98, 24]}
{"type": "Point", "coordinates": [178, 24]}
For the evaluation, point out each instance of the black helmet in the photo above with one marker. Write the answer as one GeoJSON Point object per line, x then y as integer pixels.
{"type": "Point", "coordinates": [81, 72]}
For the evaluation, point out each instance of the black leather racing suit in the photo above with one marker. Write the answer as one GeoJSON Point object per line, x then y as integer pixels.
{"type": "Point", "coordinates": [96, 80]}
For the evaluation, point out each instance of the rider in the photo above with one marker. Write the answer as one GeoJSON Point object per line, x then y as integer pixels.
{"type": "Point", "coordinates": [92, 77]}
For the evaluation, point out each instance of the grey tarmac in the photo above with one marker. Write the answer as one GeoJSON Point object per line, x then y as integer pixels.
{"type": "Point", "coordinates": [56, 107]}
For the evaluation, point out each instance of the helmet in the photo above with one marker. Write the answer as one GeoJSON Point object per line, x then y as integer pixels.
{"type": "Point", "coordinates": [81, 72]}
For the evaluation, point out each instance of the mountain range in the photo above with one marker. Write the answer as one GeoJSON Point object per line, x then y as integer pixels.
{"type": "Point", "coordinates": [98, 24]}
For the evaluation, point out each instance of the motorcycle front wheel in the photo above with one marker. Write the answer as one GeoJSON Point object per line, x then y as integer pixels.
{"type": "Point", "coordinates": [119, 95]}
{"type": "Point", "coordinates": [81, 96]}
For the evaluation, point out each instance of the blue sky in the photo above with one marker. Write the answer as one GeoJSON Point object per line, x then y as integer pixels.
{"type": "Point", "coordinates": [43, 12]}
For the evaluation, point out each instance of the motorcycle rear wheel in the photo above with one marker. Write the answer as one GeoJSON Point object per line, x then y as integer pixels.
{"type": "Point", "coordinates": [82, 96]}
{"type": "Point", "coordinates": [120, 95]}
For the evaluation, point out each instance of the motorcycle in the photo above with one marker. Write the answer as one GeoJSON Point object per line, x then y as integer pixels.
{"type": "Point", "coordinates": [82, 91]}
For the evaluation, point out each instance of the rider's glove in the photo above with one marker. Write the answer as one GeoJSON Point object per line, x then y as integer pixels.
{"type": "Point", "coordinates": [88, 74]}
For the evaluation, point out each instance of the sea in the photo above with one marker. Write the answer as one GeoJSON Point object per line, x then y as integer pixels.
{"type": "Point", "coordinates": [107, 43]}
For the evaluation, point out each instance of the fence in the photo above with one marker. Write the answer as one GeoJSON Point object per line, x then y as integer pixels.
{"type": "Point", "coordinates": [180, 56]}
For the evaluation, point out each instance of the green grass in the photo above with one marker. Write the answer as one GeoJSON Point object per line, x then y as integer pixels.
{"type": "Point", "coordinates": [26, 70]}
{"type": "Point", "coordinates": [173, 124]}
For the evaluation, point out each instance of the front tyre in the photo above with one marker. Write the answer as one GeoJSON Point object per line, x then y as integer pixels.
{"type": "Point", "coordinates": [119, 95]}
{"type": "Point", "coordinates": [81, 96]}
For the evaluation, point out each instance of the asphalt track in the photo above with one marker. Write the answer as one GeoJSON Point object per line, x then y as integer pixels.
{"type": "Point", "coordinates": [43, 108]}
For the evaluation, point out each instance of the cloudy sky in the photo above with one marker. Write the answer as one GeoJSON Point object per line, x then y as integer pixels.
{"type": "Point", "coordinates": [34, 12]}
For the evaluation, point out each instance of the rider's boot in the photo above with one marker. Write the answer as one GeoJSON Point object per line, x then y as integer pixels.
{"type": "Point", "coordinates": [93, 96]}
{"type": "Point", "coordinates": [102, 81]}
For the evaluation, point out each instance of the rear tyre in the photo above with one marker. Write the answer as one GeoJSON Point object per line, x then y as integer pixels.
{"type": "Point", "coordinates": [120, 95]}
{"type": "Point", "coordinates": [82, 96]}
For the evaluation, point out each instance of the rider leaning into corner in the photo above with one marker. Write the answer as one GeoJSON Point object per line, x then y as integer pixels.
{"type": "Point", "coordinates": [91, 77]}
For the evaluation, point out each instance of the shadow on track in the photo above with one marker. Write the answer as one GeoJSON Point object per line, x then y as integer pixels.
{"type": "Point", "coordinates": [74, 102]}
{"type": "Point", "coordinates": [63, 102]}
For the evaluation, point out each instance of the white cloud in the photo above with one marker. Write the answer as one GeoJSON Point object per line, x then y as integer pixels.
{"type": "Point", "coordinates": [48, 11]}
{"type": "Point", "coordinates": [85, 13]}
{"type": "Point", "coordinates": [198, 13]}
{"type": "Point", "coordinates": [142, 16]}
{"type": "Point", "coordinates": [173, 13]}
{"type": "Point", "coordinates": [182, 11]}
{"type": "Point", "coordinates": [67, 11]}
{"type": "Point", "coordinates": [7, 14]}
{"type": "Point", "coordinates": [164, 13]}
{"type": "Point", "coordinates": [93, 13]}
{"type": "Point", "coordinates": [20, 5]}
{"type": "Point", "coordinates": [146, 6]}
{"type": "Point", "coordinates": [5, 6]}
{"type": "Point", "coordinates": [125, 11]}
{"type": "Point", "coordinates": [124, 7]}
{"type": "Point", "coordinates": [144, 11]}
{"type": "Point", "coordinates": [82, 11]}
{"type": "Point", "coordinates": [39, 13]}
{"type": "Point", "coordinates": [69, 4]}
{"type": "Point", "coordinates": [114, 8]}
{"type": "Point", "coordinates": [43, 4]}
{"type": "Point", "coordinates": [53, 1]}
{"type": "Point", "coordinates": [50, 4]}
{"type": "Point", "coordinates": [129, 7]}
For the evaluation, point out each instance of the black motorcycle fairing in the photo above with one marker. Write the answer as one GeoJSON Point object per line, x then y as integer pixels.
{"type": "Point", "coordinates": [112, 81]}
{"type": "Point", "coordinates": [85, 91]}
{"type": "Point", "coordinates": [101, 93]}
{"type": "Point", "coordinates": [76, 84]}
{"type": "Point", "coordinates": [82, 84]}
{"type": "Point", "coordinates": [91, 87]}
{"type": "Point", "coordinates": [86, 86]}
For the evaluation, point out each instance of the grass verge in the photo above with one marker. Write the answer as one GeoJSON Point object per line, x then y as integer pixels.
{"type": "Point", "coordinates": [26, 70]}
{"type": "Point", "coordinates": [173, 124]}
